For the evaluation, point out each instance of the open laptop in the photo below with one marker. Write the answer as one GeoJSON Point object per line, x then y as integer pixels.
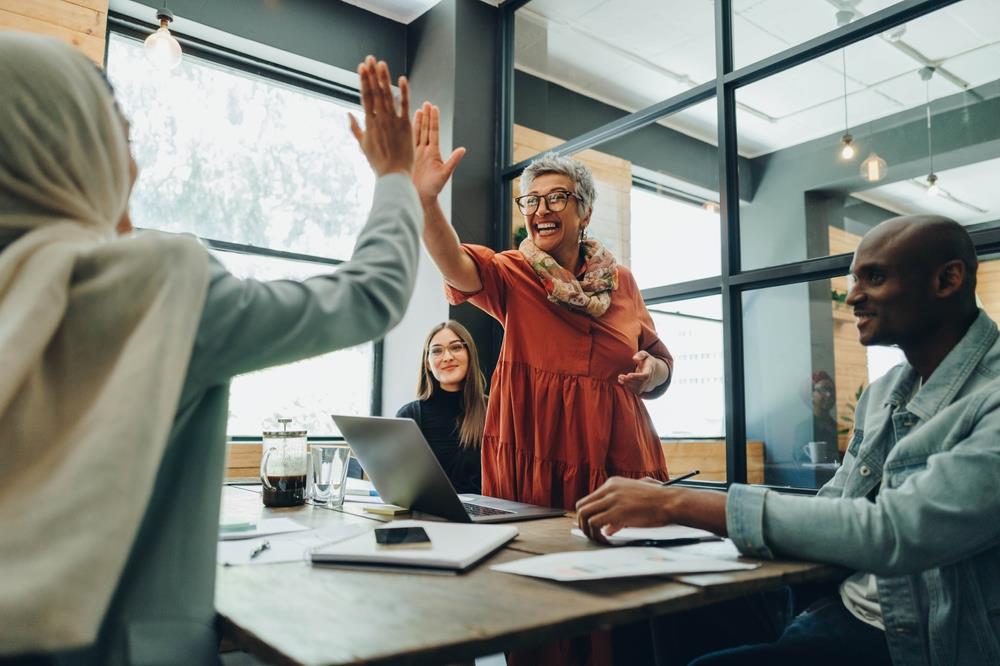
{"type": "Point", "coordinates": [405, 472]}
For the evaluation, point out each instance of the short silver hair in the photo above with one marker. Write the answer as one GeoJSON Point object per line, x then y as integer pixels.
{"type": "Point", "coordinates": [575, 170]}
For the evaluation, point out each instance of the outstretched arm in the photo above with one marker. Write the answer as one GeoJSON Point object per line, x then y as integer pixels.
{"type": "Point", "coordinates": [430, 174]}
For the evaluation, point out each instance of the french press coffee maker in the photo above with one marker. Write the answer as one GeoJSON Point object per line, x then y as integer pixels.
{"type": "Point", "coordinates": [283, 466]}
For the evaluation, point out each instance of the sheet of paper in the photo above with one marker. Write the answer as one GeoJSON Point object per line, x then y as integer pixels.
{"type": "Point", "coordinates": [616, 563]}
{"type": "Point", "coordinates": [627, 534]}
{"type": "Point", "coordinates": [286, 547]}
{"type": "Point", "coordinates": [265, 527]}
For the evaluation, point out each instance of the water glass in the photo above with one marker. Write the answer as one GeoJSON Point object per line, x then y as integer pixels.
{"type": "Point", "coordinates": [328, 472]}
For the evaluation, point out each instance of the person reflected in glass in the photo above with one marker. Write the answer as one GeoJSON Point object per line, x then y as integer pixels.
{"type": "Point", "coordinates": [822, 426]}
{"type": "Point", "coordinates": [117, 353]}
{"type": "Point", "coordinates": [450, 408]}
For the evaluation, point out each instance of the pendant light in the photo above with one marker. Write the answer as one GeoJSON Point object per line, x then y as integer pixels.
{"type": "Point", "coordinates": [873, 168]}
{"type": "Point", "coordinates": [161, 48]}
{"type": "Point", "coordinates": [933, 189]}
{"type": "Point", "coordinates": [847, 151]}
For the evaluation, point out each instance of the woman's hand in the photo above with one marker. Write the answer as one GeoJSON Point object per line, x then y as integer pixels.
{"type": "Point", "coordinates": [649, 373]}
{"type": "Point", "coordinates": [386, 140]}
{"type": "Point", "coordinates": [430, 172]}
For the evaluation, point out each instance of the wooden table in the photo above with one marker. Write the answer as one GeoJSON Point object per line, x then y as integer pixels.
{"type": "Point", "coordinates": [299, 614]}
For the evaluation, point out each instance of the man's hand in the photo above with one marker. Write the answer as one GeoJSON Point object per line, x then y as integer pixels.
{"type": "Point", "coordinates": [386, 140]}
{"type": "Point", "coordinates": [649, 373]}
{"type": "Point", "coordinates": [624, 502]}
{"type": "Point", "coordinates": [430, 172]}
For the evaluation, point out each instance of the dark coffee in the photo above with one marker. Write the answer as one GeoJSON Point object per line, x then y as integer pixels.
{"type": "Point", "coordinates": [285, 491]}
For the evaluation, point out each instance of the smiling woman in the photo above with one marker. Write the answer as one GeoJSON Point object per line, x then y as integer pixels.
{"type": "Point", "coordinates": [450, 408]}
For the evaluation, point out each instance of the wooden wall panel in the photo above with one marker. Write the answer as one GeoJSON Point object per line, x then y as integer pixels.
{"type": "Point", "coordinates": [850, 359]}
{"type": "Point", "coordinates": [80, 23]}
{"type": "Point", "coordinates": [709, 456]}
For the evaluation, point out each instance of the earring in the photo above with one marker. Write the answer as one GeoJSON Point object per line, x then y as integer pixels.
{"type": "Point", "coordinates": [583, 234]}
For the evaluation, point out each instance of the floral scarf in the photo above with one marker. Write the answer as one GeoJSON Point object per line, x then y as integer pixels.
{"type": "Point", "coordinates": [592, 293]}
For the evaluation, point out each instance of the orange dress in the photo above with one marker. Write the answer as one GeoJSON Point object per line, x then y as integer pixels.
{"type": "Point", "coordinates": [558, 422]}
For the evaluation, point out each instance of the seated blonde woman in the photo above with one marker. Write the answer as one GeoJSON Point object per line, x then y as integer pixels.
{"type": "Point", "coordinates": [450, 408]}
{"type": "Point", "coordinates": [117, 355]}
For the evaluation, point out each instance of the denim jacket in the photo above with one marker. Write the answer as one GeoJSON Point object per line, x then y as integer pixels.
{"type": "Point", "coordinates": [932, 536]}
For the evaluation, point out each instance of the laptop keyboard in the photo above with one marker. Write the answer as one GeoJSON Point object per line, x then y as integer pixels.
{"type": "Point", "coordinates": [479, 510]}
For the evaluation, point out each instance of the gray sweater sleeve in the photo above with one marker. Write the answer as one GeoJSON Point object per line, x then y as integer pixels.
{"type": "Point", "coordinates": [249, 325]}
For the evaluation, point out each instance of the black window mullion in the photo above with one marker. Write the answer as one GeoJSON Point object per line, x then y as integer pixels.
{"type": "Point", "coordinates": [729, 205]}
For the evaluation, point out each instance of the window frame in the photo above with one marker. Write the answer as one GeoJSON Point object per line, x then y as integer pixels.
{"type": "Point", "coordinates": [131, 28]}
{"type": "Point", "coordinates": [733, 281]}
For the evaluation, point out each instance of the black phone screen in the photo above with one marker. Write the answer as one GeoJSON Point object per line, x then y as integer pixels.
{"type": "Point", "coordinates": [391, 536]}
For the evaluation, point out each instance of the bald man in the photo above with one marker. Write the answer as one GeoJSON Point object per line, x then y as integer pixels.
{"type": "Point", "coordinates": [915, 509]}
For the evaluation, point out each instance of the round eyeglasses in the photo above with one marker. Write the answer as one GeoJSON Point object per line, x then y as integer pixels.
{"type": "Point", "coordinates": [455, 348]}
{"type": "Point", "coordinates": [555, 201]}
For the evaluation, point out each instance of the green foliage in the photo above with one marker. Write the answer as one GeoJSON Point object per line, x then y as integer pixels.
{"type": "Point", "coordinates": [849, 418]}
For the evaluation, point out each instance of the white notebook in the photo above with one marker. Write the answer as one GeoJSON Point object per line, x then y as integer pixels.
{"type": "Point", "coordinates": [454, 547]}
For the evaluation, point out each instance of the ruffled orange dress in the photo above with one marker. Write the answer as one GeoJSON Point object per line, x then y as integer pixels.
{"type": "Point", "coordinates": [558, 422]}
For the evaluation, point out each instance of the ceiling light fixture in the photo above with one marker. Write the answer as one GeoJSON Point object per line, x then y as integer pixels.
{"type": "Point", "coordinates": [847, 151]}
{"type": "Point", "coordinates": [933, 189]}
{"type": "Point", "coordinates": [161, 48]}
{"type": "Point", "coordinates": [873, 168]}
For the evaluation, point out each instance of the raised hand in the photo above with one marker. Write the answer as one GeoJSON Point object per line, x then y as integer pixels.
{"type": "Point", "coordinates": [386, 140]}
{"type": "Point", "coordinates": [430, 172]}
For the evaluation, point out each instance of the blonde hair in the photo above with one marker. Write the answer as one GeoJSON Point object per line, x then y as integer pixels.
{"type": "Point", "coordinates": [473, 418]}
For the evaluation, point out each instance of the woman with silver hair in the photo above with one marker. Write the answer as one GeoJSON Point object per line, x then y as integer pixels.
{"type": "Point", "coordinates": [580, 351]}
{"type": "Point", "coordinates": [579, 354]}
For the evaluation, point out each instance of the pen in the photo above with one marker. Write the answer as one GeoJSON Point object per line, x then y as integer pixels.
{"type": "Point", "coordinates": [680, 478]}
{"type": "Point", "coordinates": [363, 492]}
{"type": "Point", "coordinates": [260, 549]}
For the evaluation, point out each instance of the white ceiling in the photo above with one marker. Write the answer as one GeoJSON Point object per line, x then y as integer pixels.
{"type": "Point", "coordinates": [401, 11]}
{"type": "Point", "coordinates": [633, 53]}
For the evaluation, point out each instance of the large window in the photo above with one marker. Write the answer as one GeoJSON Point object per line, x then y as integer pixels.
{"type": "Point", "coordinates": [751, 190]}
{"type": "Point", "coordinates": [270, 175]}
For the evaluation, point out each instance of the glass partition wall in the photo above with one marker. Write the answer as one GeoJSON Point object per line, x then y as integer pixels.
{"type": "Point", "coordinates": [741, 149]}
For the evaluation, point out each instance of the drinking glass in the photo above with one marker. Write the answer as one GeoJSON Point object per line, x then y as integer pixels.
{"type": "Point", "coordinates": [328, 469]}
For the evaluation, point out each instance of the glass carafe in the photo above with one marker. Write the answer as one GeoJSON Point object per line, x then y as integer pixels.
{"type": "Point", "coordinates": [284, 466]}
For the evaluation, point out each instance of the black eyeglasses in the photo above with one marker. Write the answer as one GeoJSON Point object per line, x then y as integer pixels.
{"type": "Point", "coordinates": [555, 201]}
{"type": "Point", "coordinates": [455, 348]}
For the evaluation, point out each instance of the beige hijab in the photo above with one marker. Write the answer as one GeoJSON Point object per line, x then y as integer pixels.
{"type": "Point", "coordinates": [95, 338]}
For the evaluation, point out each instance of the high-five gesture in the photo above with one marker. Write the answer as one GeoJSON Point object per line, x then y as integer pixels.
{"type": "Point", "coordinates": [386, 140]}
{"type": "Point", "coordinates": [430, 172]}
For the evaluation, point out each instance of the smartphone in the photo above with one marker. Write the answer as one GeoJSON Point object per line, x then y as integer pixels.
{"type": "Point", "coordinates": [406, 537]}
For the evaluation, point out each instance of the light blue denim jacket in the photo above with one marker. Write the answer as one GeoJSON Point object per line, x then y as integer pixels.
{"type": "Point", "coordinates": [932, 536]}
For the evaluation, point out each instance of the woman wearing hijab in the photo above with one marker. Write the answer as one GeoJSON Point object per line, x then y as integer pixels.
{"type": "Point", "coordinates": [117, 355]}
{"type": "Point", "coordinates": [579, 353]}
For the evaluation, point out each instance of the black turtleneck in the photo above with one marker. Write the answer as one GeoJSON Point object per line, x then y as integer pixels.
{"type": "Point", "coordinates": [438, 418]}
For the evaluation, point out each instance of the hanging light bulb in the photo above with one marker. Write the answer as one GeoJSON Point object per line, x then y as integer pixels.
{"type": "Point", "coordinates": [847, 151]}
{"type": "Point", "coordinates": [161, 48]}
{"type": "Point", "coordinates": [933, 189]}
{"type": "Point", "coordinates": [874, 168]}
